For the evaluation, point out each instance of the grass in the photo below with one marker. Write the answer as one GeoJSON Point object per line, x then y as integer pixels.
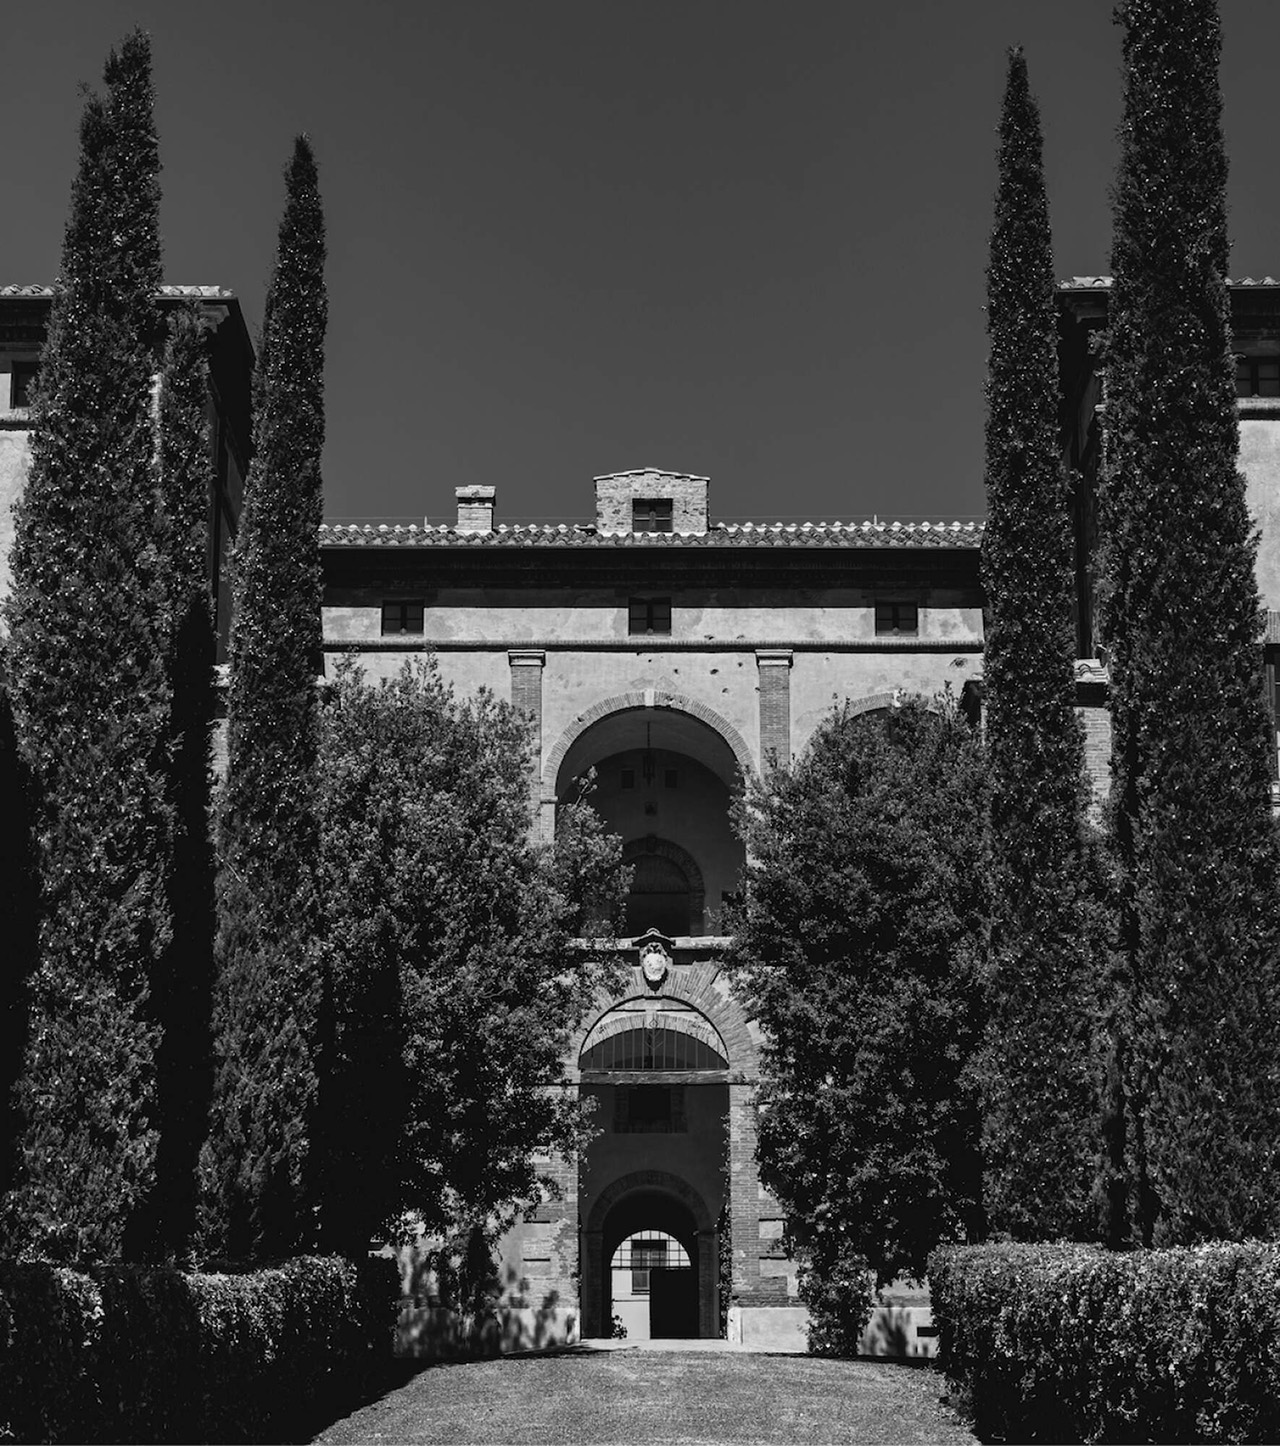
{"type": "Point", "coordinates": [688, 1398]}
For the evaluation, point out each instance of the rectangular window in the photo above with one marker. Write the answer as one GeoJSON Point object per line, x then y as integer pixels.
{"type": "Point", "coordinates": [651, 514]}
{"type": "Point", "coordinates": [671, 777]}
{"type": "Point", "coordinates": [1258, 376]}
{"type": "Point", "coordinates": [401, 617]}
{"type": "Point", "coordinates": [628, 778]}
{"type": "Point", "coordinates": [897, 619]}
{"type": "Point", "coordinates": [649, 615]}
{"type": "Point", "coordinates": [646, 1255]}
{"type": "Point", "coordinates": [21, 382]}
{"type": "Point", "coordinates": [649, 1110]}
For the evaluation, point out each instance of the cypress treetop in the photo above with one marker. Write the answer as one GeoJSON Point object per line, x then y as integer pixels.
{"type": "Point", "coordinates": [91, 695]}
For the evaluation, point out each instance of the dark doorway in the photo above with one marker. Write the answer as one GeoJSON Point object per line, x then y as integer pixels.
{"type": "Point", "coordinates": [673, 1303]}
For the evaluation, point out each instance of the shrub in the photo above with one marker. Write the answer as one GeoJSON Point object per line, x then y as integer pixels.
{"type": "Point", "coordinates": [1075, 1343]}
{"type": "Point", "coordinates": [129, 1354]}
{"type": "Point", "coordinates": [840, 1298]}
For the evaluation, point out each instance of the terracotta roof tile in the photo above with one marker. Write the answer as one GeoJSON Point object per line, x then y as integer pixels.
{"type": "Point", "coordinates": [747, 534]}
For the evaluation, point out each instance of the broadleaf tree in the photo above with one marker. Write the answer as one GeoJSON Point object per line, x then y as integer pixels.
{"type": "Point", "coordinates": [259, 1196]}
{"type": "Point", "coordinates": [1194, 841]}
{"type": "Point", "coordinates": [90, 695]}
{"type": "Point", "coordinates": [859, 946]}
{"type": "Point", "coordinates": [446, 953]}
{"type": "Point", "coordinates": [1044, 1061]}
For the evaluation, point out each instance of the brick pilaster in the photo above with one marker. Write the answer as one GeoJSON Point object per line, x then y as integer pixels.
{"type": "Point", "coordinates": [744, 1194]}
{"type": "Point", "coordinates": [774, 665]}
{"type": "Point", "coordinates": [526, 697]}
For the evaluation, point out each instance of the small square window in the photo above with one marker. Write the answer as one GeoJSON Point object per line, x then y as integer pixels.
{"type": "Point", "coordinates": [651, 514]}
{"type": "Point", "coordinates": [649, 615]}
{"type": "Point", "coordinates": [22, 380]}
{"type": "Point", "coordinates": [628, 778]}
{"type": "Point", "coordinates": [401, 617]}
{"type": "Point", "coordinates": [897, 619]}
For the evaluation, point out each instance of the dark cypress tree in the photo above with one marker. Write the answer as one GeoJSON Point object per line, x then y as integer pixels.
{"type": "Point", "coordinates": [267, 999]}
{"type": "Point", "coordinates": [91, 697]}
{"type": "Point", "coordinates": [19, 885]}
{"type": "Point", "coordinates": [1196, 847]}
{"type": "Point", "coordinates": [1043, 1069]}
{"type": "Point", "coordinates": [182, 992]}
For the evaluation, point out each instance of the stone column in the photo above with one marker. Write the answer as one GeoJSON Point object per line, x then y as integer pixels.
{"type": "Point", "coordinates": [774, 665]}
{"type": "Point", "coordinates": [527, 665]}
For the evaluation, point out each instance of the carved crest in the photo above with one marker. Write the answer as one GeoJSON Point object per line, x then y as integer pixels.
{"type": "Point", "coordinates": [654, 958]}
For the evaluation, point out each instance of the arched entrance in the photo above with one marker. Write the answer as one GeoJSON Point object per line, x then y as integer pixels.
{"type": "Point", "coordinates": [653, 1181]}
{"type": "Point", "coordinates": [664, 782]}
{"type": "Point", "coordinates": [657, 1208]}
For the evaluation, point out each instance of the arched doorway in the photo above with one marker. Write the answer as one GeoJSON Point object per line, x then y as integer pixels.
{"type": "Point", "coordinates": [653, 1181]}
{"type": "Point", "coordinates": [651, 1286]}
{"type": "Point", "coordinates": [664, 781]}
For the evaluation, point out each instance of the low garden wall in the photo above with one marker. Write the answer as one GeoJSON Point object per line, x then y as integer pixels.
{"type": "Point", "coordinates": [132, 1354]}
{"type": "Point", "coordinates": [1076, 1343]}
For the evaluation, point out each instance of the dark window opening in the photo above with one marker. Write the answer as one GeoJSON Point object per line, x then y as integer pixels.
{"type": "Point", "coordinates": [649, 1110]}
{"type": "Point", "coordinates": [401, 617]}
{"type": "Point", "coordinates": [649, 615]}
{"type": "Point", "coordinates": [628, 778]}
{"type": "Point", "coordinates": [900, 618]}
{"type": "Point", "coordinates": [651, 514]}
{"type": "Point", "coordinates": [670, 778]}
{"type": "Point", "coordinates": [646, 1255]}
{"type": "Point", "coordinates": [1258, 376]}
{"type": "Point", "coordinates": [22, 380]}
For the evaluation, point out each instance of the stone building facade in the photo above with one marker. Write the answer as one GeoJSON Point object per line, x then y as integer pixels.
{"type": "Point", "coordinates": [675, 656]}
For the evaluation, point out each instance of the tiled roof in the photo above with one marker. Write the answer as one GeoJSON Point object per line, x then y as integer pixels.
{"type": "Point", "coordinates": [1101, 283]}
{"type": "Point", "coordinates": [747, 534]}
{"type": "Point", "coordinates": [188, 293]}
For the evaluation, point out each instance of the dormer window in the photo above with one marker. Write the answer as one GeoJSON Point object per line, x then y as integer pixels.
{"type": "Point", "coordinates": [1258, 376]}
{"type": "Point", "coordinates": [649, 615]}
{"type": "Point", "coordinates": [651, 514]}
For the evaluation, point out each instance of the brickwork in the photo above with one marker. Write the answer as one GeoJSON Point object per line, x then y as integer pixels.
{"type": "Point", "coordinates": [744, 1197]}
{"type": "Point", "coordinates": [616, 492]}
{"type": "Point", "coordinates": [527, 665]}
{"type": "Point", "coordinates": [475, 508]}
{"type": "Point", "coordinates": [1097, 753]}
{"type": "Point", "coordinates": [774, 665]}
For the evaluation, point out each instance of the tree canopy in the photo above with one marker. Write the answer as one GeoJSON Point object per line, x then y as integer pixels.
{"type": "Point", "coordinates": [446, 956]}
{"type": "Point", "coordinates": [860, 947]}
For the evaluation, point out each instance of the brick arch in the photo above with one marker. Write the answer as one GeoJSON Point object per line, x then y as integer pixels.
{"type": "Point", "coordinates": [694, 985]}
{"type": "Point", "coordinates": [664, 849]}
{"type": "Point", "coordinates": [661, 1180]}
{"type": "Point", "coordinates": [644, 698]}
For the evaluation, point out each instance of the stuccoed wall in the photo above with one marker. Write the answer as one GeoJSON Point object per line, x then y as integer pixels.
{"type": "Point", "coordinates": [14, 460]}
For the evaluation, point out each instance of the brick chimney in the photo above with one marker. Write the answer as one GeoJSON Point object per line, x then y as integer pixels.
{"type": "Point", "coordinates": [475, 508]}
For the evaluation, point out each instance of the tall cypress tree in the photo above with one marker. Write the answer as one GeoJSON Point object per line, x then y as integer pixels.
{"type": "Point", "coordinates": [1196, 847]}
{"type": "Point", "coordinates": [1043, 1069]}
{"type": "Point", "coordinates": [181, 1001]}
{"type": "Point", "coordinates": [91, 697]}
{"type": "Point", "coordinates": [267, 997]}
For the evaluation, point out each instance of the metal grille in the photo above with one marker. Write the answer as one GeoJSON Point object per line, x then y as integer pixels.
{"type": "Point", "coordinates": [653, 1047]}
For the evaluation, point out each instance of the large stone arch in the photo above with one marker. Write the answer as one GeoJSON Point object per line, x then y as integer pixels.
{"type": "Point", "coordinates": [643, 698]}
{"type": "Point", "coordinates": [600, 1237]}
{"type": "Point", "coordinates": [661, 1181]}
{"type": "Point", "coordinates": [702, 987]}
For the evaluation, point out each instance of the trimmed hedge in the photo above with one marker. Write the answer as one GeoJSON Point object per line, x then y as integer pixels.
{"type": "Point", "coordinates": [1076, 1343]}
{"type": "Point", "coordinates": [132, 1354]}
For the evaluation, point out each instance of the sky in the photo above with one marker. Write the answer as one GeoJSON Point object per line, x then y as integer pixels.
{"type": "Point", "coordinates": [573, 237]}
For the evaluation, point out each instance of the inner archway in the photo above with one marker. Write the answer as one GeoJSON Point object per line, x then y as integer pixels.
{"type": "Point", "coordinates": [663, 782]}
{"type": "Point", "coordinates": [651, 1245]}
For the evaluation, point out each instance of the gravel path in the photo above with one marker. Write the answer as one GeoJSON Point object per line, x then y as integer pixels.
{"type": "Point", "coordinates": [659, 1399]}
